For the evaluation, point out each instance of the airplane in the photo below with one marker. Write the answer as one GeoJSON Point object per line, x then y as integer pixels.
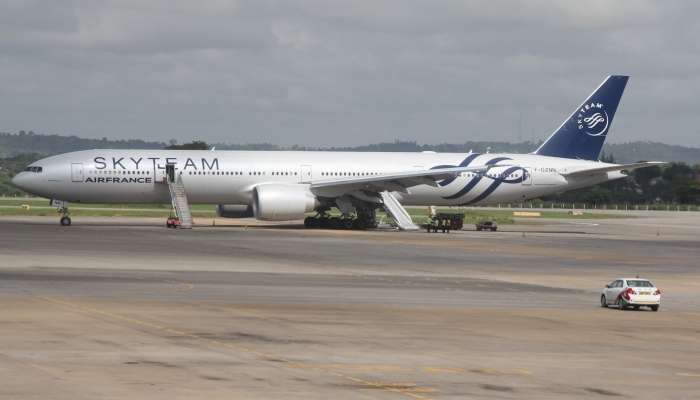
{"type": "Point", "coordinates": [287, 185]}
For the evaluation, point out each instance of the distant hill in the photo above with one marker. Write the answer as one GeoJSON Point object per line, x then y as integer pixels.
{"type": "Point", "coordinates": [652, 151]}
{"type": "Point", "coordinates": [29, 142]}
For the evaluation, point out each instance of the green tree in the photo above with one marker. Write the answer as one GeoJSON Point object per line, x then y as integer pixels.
{"type": "Point", "coordinates": [194, 145]}
{"type": "Point", "coordinates": [9, 167]}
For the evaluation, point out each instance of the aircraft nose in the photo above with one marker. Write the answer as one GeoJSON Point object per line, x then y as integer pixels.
{"type": "Point", "coordinates": [20, 180]}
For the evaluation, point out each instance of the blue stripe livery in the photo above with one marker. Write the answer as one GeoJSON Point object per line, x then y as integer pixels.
{"type": "Point", "coordinates": [497, 180]}
{"type": "Point", "coordinates": [582, 135]}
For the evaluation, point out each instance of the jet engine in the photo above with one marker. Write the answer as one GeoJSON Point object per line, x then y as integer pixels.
{"type": "Point", "coordinates": [282, 202]}
{"type": "Point", "coordinates": [234, 211]}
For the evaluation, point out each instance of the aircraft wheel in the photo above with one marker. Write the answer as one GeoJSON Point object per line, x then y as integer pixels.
{"type": "Point", "coordinates": [311, 222]}
{"type": "Point", "coordinates": [65, 221]}
{"type": "Point", "coordinates": [359, 224]}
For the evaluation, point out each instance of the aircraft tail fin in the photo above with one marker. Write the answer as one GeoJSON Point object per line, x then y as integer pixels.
{"type": "Point", "coordinates": [582, 135]}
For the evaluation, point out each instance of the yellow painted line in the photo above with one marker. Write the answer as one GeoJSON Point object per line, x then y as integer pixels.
{"type": "Point", "coordinates": [180, 286]}
{"type": "Point", "coordinates": [688, 374]}
{"type": "Point", "coordinates": [527, 214]}
{"type": "Point", "coordinates": [358, 367]}
{"type": "Point", "coordinates": [388, 387]}
{"type": "Point", "coordinates": [494, 371]}
{"type": "Point", "coordinates": [405, 390]}
{"type": "Point", "coordinates": [441, 370]}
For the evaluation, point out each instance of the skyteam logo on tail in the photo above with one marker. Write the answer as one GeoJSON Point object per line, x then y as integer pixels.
{"type": "Point", "coordinates": [584, 131]}
{"type": "Point", "coordinates": [592, 119]}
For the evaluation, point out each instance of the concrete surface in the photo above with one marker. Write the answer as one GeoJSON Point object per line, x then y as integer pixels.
{"type": "Point", "coordinates": [125, 308]}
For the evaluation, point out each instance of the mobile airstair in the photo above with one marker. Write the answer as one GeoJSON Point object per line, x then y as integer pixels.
{"type": "Point", "coordinates": [178, 198]}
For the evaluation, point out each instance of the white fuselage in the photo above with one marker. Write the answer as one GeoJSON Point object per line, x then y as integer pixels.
{"type": "Point", "coordinates": [228, 177]}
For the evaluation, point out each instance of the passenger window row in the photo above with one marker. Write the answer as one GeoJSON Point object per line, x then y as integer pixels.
{"type": "Point", "coordinates": [137, 172]}
{"type": "Point", "coordinates": [225, 173]}
{"type": "Point", "coordinates": [349, 173]}
{"type": "Point", "coordinates": [472, 175]}
{"type": "Point", "coordinates": [216, 173]}
{"type": "Point", "coordinates": [256, 173]}
{"type": "Point", "coordinates": [117, 172]}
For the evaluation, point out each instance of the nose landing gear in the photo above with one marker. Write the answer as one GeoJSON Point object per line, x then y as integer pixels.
{"type": "Point", "coordinates": [62, 208]}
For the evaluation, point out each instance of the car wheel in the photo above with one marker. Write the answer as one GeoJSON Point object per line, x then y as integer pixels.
{"type": "Point", "coordinates": [603, 301]}
{"type": "Point", "coordinates": [654, 308]}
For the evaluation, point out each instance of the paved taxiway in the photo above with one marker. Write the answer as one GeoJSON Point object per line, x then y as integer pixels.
{"type": "Point", "coordinates": [125, 308]}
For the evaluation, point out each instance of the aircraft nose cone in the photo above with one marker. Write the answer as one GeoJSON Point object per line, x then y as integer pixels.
{"type": "Point", "coordinates": [20, 181]}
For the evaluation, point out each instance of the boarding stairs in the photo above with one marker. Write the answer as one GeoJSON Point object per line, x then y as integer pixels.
{"type": "Point", "coordinates": [178, 198]}
{"type": "Point", "coordinates": [398, 213]}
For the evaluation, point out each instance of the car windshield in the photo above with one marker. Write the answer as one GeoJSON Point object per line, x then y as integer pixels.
{"type": "Point", "coordinates": [639, 284]}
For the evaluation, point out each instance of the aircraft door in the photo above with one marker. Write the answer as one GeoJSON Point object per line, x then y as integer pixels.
{"type": "Point", "coordinates": [305, 174]}
{"type": "Point", "coordinates": [76, 172]}
{"type": "Point", "coordinates": [159, 173]}
{"type": "Point", "coordinates": [527, 176]}
{"type": "Point", "coordinates": [170, 172]}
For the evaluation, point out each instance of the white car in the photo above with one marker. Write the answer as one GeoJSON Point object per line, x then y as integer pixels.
{"type": "Point", "coordinates": [631, 292]}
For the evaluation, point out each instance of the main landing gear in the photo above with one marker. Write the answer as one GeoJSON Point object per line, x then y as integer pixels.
{"type": "Point", "coordinates": [363, 219]}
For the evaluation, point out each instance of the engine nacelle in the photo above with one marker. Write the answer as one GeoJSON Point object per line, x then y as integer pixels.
{"type": "Point", "coordinates": [234, 211]}
{"type": "Point", "coordinates": [282, 202]}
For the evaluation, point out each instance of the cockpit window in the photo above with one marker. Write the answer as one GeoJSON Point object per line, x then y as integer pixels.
{"type": "Point", "coordinates": [34, 169]}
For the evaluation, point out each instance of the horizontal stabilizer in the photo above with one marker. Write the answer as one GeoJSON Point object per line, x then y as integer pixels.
{"type": "Point", "coordinates": [612, 168]}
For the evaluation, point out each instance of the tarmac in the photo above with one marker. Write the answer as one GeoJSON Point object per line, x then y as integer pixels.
{"type": "Point", "coordinates": [126, 308]}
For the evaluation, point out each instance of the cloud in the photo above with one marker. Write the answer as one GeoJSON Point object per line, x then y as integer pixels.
{"type": "Point", "coordinates": [333, 73]}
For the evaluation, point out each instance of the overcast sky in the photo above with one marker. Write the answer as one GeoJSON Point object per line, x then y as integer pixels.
{"type": "Point", "coordinates": [345, 72]}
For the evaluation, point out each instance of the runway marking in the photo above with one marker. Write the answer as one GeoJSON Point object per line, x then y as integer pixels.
{"type": "Point", "coordinates": [688, 374]}
{"type": "Point", "coordinates": [408, 390]}
{"type": "Point", "coordinates": [45, 370]}
{"type": "Point", "coordinates": [180, 286]}
{"type": "Point", "coordinates": [439, 370]}
{"type": "Point", "coordinates": [584, 223]}
{"type": "Point", "coordinates": [358, 367]}
{"type": "Point", "coordinates": [30, 364]}
{"type": "Point", "coordinates": [494, 371]}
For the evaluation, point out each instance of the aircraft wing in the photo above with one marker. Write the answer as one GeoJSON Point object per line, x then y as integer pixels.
{"type": "Point", "coordinates": [398, 181]}
{"type": "Point", "coordinates": [612, 168]}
